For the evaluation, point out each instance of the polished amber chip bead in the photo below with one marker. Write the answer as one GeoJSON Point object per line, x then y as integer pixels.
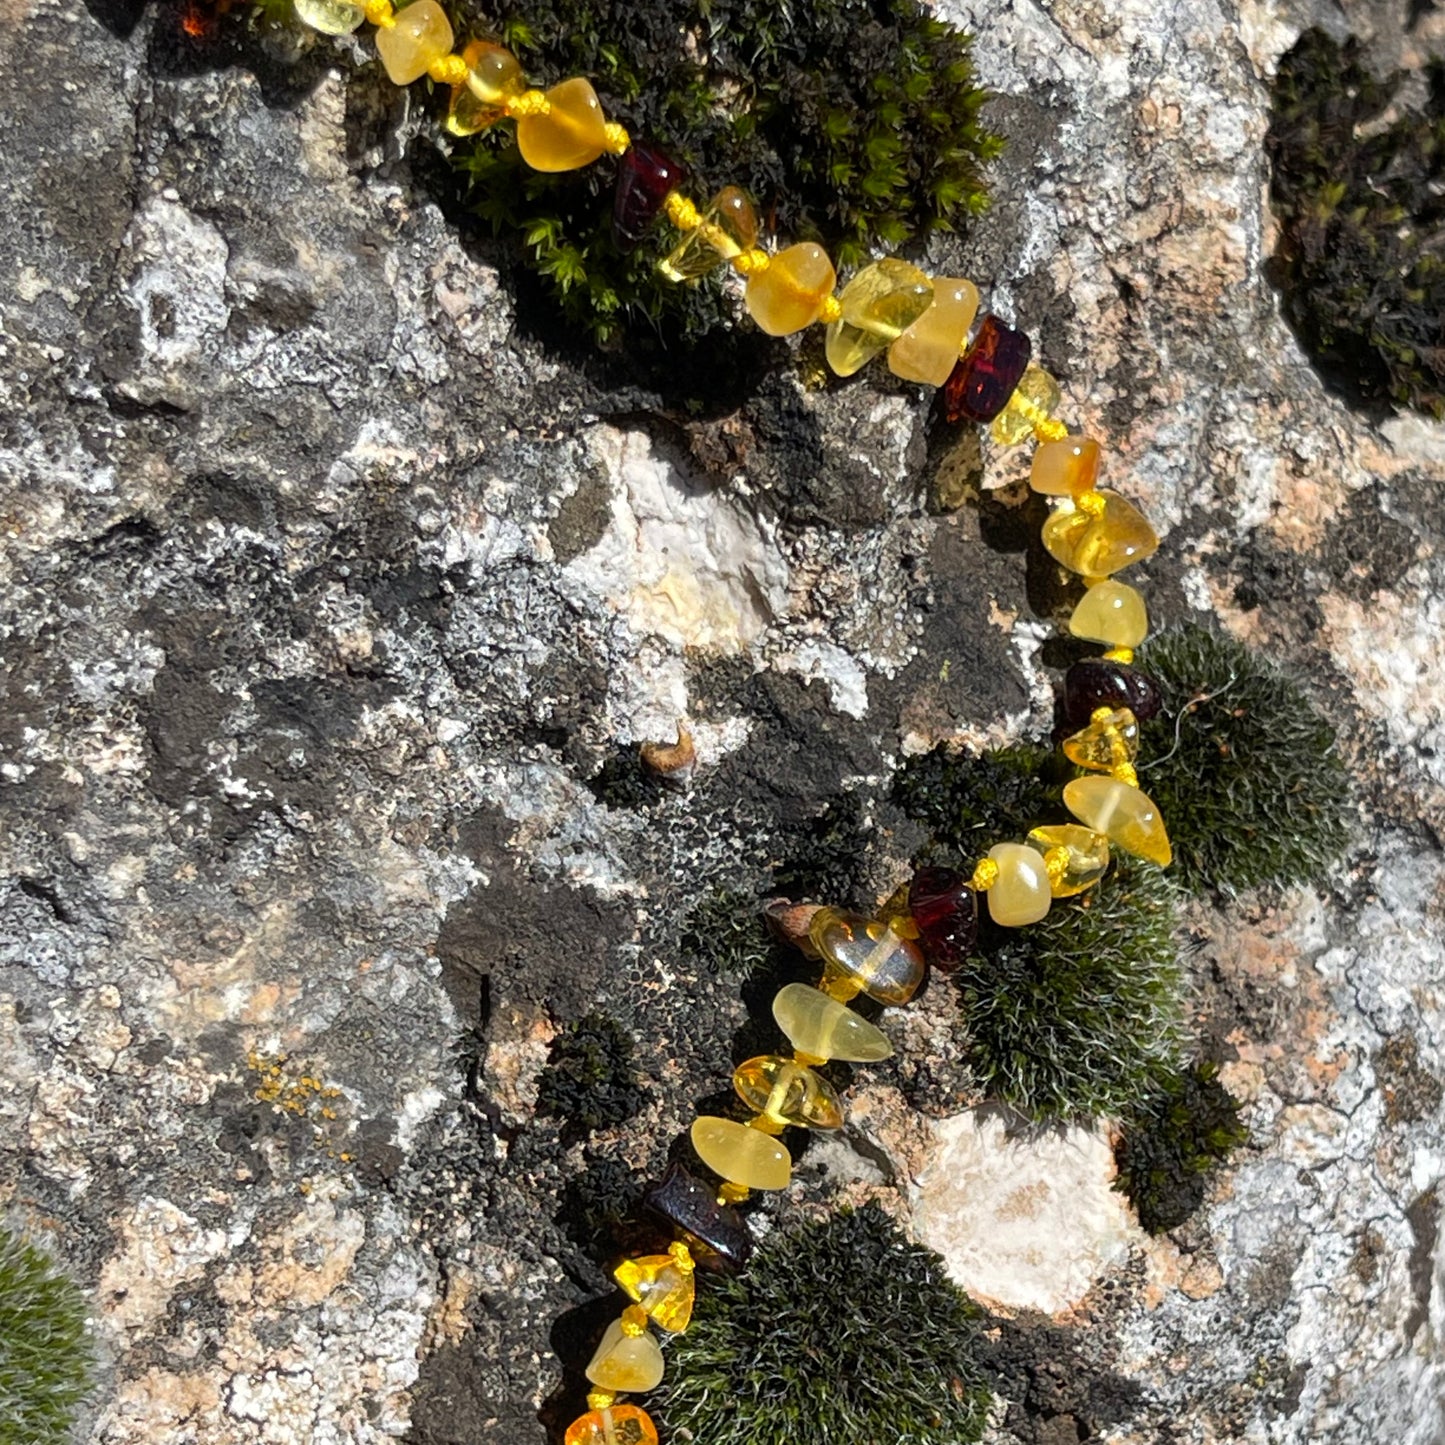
{"type": "Point", "coordinates": [330, 17]}
{"type": "Point", "coordinates": [421, 35]}
{"type": "Point", "coordinates": [740, 1154]}
{"type": "Point", "coordinates": [1065, 468]}
{"type": "Point", "coordinates": [1097, 682]}
{"type": "Point", "coordinates": [720, 1240]}
{"type": "Point", "coordinates": [646, 175]}
{"type": "Point", "coordinates": [1036, 398]}
{"type": "Point", "coordinates": [788, 293]}
{"type": "Point", "coordinates": [871, 955]}
{"type": "Point", "coordinates": [663, 1285]}
{"type": "Point", "coordinates": [616, 1425]}
{"type": "Point", "coordinates": [729, 227]}
{"type": "Point", "coordinates": [788, 1093]}
{"type": "Point", "coordinates": [881, 302]}
{"type": "Point", "coordinates": [987, 373]}
{"type": "Point", "coordinates": [1111, 738]}
{"type": "Point", "coordinates": [1112, 613]}
{"type": "Point", "coordinates": [1124, 814]}
{"type": "Point", "coordinates": [929, 349]}
{"type": "Point", "coordinates": [570, 133]}
{"type": "Point", "coordinates": [1086, 861]}
{"type": "Point", "coordinates": [1097, 544]}
{"type": "Point", "coordinates": [1021, 895]}
{"type": "Point", "coordinates": [945, 909]}
{"type": "Point", "coordinates": [626, 1361]}
{"type": "Point", "coordinates": [493, 76]}
{"type": "Point", "coordinates": [823, 1028]}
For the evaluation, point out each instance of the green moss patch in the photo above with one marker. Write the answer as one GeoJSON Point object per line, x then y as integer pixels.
{"type": "Point", "coordinates": [589, 1082]}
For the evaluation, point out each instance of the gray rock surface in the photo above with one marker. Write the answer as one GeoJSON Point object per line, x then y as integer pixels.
{"type": "Point", "coordinates": [329, 588]}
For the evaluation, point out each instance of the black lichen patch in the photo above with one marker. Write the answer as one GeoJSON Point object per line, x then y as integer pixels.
{"type": "Point", "coordinates": [727, 934]}
{"type": "Point", "coordinates": [589, 1081]}
{"type": "Point", "coordinates": [1243, 768]}
{"type": "Point", "coordinates": [1172, 1140]}
{"type": "Point", "coordinates": [840, 1330]}
{"type": "Point", "coordinates": [1361, 203]}
{"type": "Point", "coordinates": [828, 857]}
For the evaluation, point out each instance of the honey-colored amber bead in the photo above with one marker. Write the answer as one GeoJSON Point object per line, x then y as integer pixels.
{"type": "Point", "coordinates": [626, 1361]}
{"type": "Point", "coordinates": [1111, 738]}
{"type": "Point", "coordinates": [493, 75]}
{"type": "Point", "coordinates": [743, 1155]}
{"type": "Point", "coordinates": [1097, 543]}
{"type": "Point", "coordinates": [1035, 399]}
{"type": "Point", "coordinates": [1127, 816]}
{"type": "Point", "coordinates": [1065, 468]}
{"type": "Point", "coordinates": [1087, 856]}
{"type": "Point", "coordinates": [569, 133]}
{"type": "Point", "coordinates": [1112, 613]}
{"type": "Point", "coordinates": [612, 1425]}
{"type": "Point", "coordinates": [728, 227]}
{"type": "Point", "coordinates": [823, 1028]}
{"type": "Point", "coordinates": [789, 293]}
{"type": "Point", "coordinates": [788, 1093]}
{"type": "Point", "coordinates": [663, 1285]}
{"type": "Point", "coordinates": [330, 17]}
{"type": "Point", "coordinates": [928, 351]}
{"type": "Point", "coordinates": [421, 35]}
{"type": "Point", "coordinates": [1021, 894]}
{"type": "Point", "coordinates": [870, 955]}
{"type": "Point", "coordinates": [876, 307]}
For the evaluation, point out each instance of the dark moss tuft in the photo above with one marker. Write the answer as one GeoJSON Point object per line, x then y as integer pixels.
{"type": "Point", "coordinates": [828, 860]}
{"type": "Point", "coordinates": [1172, 1140]}
{"type": "Point", "coordinates": [589, 1082]}
{"type": "Point", "coordinates": [840, 1330]}
{"type": "Point", "coordinates": [727, 933]}
{"type": "Point", "coordinates": [1254, 792]}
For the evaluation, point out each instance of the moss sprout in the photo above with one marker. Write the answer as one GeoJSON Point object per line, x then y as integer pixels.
{"type": "Point", "coordinates": [1170, 1142]}
{"type": "Point", "coordinates": [45, 1355]}
{"type": "Point", "coordinates": [1253, 791]}
{"type": "Point", "coordinates": [971, 801]}
{"type": "Point", "coordinates": [589, 1081]}
{"type": "Point", "coordinates": [726, 932]}
{"type": "Point", "coordinates": [840, 1330]}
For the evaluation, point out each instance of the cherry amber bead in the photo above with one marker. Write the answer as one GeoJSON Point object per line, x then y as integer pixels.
{"type": "Point", "coordinates": [1097, 682]}
{"type": "Point", "coordinates": [645, 176]}
{"type": "Point", "coordinates": [682, 1199]}
{"type": "Point", "coordinates": [945, 909]}
{"type": "Point", "coordinates": [987, 373]}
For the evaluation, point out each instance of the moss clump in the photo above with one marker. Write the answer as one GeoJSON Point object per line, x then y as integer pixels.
{"type": "Point", "coordinates": [1253, 792]}
{"type": "Point", "coordinates": [840, 1331]}
{"type": "Point", "coordinates": [1361, 205]}
{"type": "Point", "coordinates": [855, 122]}
{"type": "Point", "coordinates": [828, 859]}
{"type": "Point", "coordinates": [589, 1081]}
{"type": "Point", "coordinates": [45, 1356]}
{"type": "Point", "coordinates": [971, 801]}
{"type": "Point", "coordinates": [1172, 1140]}
{"type": "Point", "coordinates": [1073, 1016]}
{"type": "Point", "coordinates": [727, 933]}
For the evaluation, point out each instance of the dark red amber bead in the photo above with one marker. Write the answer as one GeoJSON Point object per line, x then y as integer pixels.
{"type": "Point", "coordinates": [645, 175]}
{"type": "Point", "coordinates": [1098, 682]}
{"type": "Point", "coordinates": [719, 1237]}
{"type": "Point", "coordinates": [945, 909]}
{"type": "Point", "coordinates": [985, 376]}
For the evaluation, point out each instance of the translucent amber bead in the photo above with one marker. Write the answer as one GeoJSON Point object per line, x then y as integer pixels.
{"type": "Point", "coordinates": [823, 1028]}
{"type": "Point", "coordinates": [1088, 858]}
{"type": "Point", "coordinates": [1065, 468]}
{"type": "Point", "coordinates": [788, 1093]}
{"type": "Point", "coordinates": [330, 17]}
{"type": "Point", "coordinates": [646, 175]}
{"type": "Point", "coordinates": [1106, 742]}
{"type": "Point", "coordinates": [789, 292]}
{"type": "Point", "coordinates": [984, 378]}
{"type": "Point", "coordinates": [743, 1155]}
{"type": "Point", "coordinates": [880, 303]}
{"type": "Point", "coordinates": [625, 1361]}
{"type": "Point", "coordinates": [616, 1425]}
{"type": "Point", "coordinates": [422, 34]}
{"type": "Point", "coordinates": [1098, 545]}
{"type": "Point", "coordinates": [1099, 682]}
{"type": "Point", "coordinates": [1125, 815]}
{"type": "Point", "coordinates": [569, 134]}
{"type": "Point", "coordinates": [662, 1286]}
{"type": "Point", "coordinates": [1112, 613]}
{"type": "Point", "coordinates": [928, 351]}
{"type": "Point", "coordinates": [729, 227]}
{"type": "Point", "coordinates": [1036, 397]}
{"type": "Point", "coordinates": [870, 954]}
{"type": "Point", "coordinates": [1022, 894]}
{"type": "Point", "coordinates": [493, 76]}
{"type": "Point", "coordinates": [945, 910]}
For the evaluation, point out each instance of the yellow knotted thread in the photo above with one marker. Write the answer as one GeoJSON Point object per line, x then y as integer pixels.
{"type": "Point", "coordinates": [1101, 714]}
{"type": "Point", "coordinates": [1125, 773]}
{"type": "Point", "coordinates": [1120, 654]}
{"type": "Point", "coordinates": [601, 1399]}
{"type": "Point", "coordinates": [617, 138]}
{"type": "Point", "coordinates": [681, 1256]}
{"type": "Point", "coordinates": [379, 13]}
{"type": "Point", "coordinates": [449, 70]}
{"type": "Point", "coordinates": [730, 1193]}
{"type": "Point", "coordinates": [749, 263]}
{"type": "Point", "coordinates": [681, 211]}
{"type": "Point", "coordinates": [530, 102]}
{"type": "Point", "coordinates": [634, 1321]}
{"type": "Point", "coordinates": [765, 1125]}
{"type": "Point", "coordinates": [985, 875]}
{"type": "Point", "coordinates": [1091, 503]}
{"type": "Point", "coordinates": [831, 312]}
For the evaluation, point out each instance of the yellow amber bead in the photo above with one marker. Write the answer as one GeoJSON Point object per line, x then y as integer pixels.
{"type": "Point", "coordinates": [1020, 894]}
{"type": "Point", "coordinates": [789, 295]}
{"type": "Point", "coordinates": [1096, 542]}
{"type": "Point", "coordinates": [1034, 400]}
{"type": "Point", "coordinates": [612, 1425]}
{"type": "Point", "coordinates": [740, 1154]}
{"type": "Point", "coordinates": [876, 307]}
{"type": "Point", "coordinates": [422, 34]}
{"type": "Point", "coordinates": [330, 17]}
{"type": "Point", "coordinates": [1065, 468]}
{"type": "Point", "coordinates": [929, 350]}
{"type": "Point", "coordinates": [1112, 613]}
{"type": "Point", "coordinates": [727, 228]}
{"type": "Point", "coordinates": [1111, 738]}
{"type": "Point", "coordinates": [1087, 861]}
{"type": "Point", "coordinates": [664, 1289]}
{"type": "Point", "coordinates": [1125, 815]}
{"type": "Point", "coordinates": [570, 133]}
{"type": "Point", "coordinates": [826, 1029]}
{"type": "Point", "coordinates": [869, 954]}
{"type": "Point", "coordinates": [788, 1093]}
{"type": "Point", "coordinates": [625, 1361]}
{"type": "Point", "coordinates": [493, 74]}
